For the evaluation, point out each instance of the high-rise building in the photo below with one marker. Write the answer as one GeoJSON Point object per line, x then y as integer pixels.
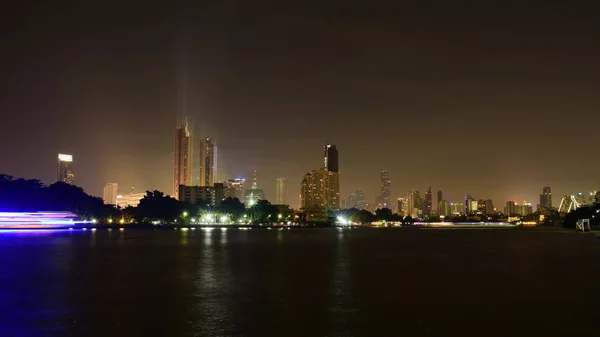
{"type": "Point", "coordinates": [428, 202]}
{"type": "Point", "coordinates": [320, 188]}
{"type": "Point", "coordinates": [511, 208]}
{"type": "Point", "coordinates": [415, 204]}
{"type": "Point", "coordinates": [356, 200]}
{"type": "Point", "coordinates": [183, 160]}
{"type": "Point", "coordinates": [208, 162]}
{"type": "Point", "coordinates": [457, 208]}
{"type": "Point", "coordinates": [109, 195]}
{"type": "Point", "coordinates": [331, 158]}
{"type": "Point", "coordinates": [281, 191]}
{"type": "Point", "coordinates": [63, 170]}
{"type": "Point", "coordinates": [252, 196]}
{"type": "Point", "coordinates": [403, 207]}
{"type": "Point", "coordinates": [489, 207]}
{"type": "Point", "coordinates": [384, 200]}
{"type": "Point", "coordinates": [439, 196]}
{"type": "Point", "coordinates": [444, 208]}
{"type": "Point", "coordinates": [546, 198]}
{"type": "Point", "coordinates": [235, 188]}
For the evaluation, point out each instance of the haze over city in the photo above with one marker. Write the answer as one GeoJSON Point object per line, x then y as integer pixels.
{"type": "Point", "coordinates": [491, 99]}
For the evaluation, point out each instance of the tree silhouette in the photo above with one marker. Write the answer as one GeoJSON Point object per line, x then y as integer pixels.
{"type": "Point", "coordinates": [155, 206]}
{"type": "Point", "coordinates": [384, 214]}
{"type": "Point", "coordinates": [232, 206]}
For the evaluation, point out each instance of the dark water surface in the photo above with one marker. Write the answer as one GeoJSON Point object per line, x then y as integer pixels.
{"type": "Point", "coordinates": [301, 282]}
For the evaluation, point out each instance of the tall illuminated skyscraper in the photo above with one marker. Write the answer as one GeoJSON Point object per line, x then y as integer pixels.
{"type": "Point", "coordinates": [208, 162]}
{"type": "Point", "coordinates": [385, 198]}
{"type": "Point", "coordinates": [63, 169]}
{"type": "Point", "coordinates": [109, 195]}
{"type": "Point", "coordinates": [331, 158]}
{"type": "Point", "coordinates": [320, 188]}
{"type": "Point", "coordinates": [281, 191]}
{"type": "Point", "coordinates": [183, 160]}
{"type": "Point", "coordinates": [428, 202]}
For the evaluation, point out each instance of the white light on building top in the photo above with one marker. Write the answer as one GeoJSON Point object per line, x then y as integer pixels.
{"type": "Point", "coordinates": [65, 157]}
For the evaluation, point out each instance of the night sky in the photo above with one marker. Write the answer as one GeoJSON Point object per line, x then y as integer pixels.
{"type": "Point", "coordinates": [491, 98]}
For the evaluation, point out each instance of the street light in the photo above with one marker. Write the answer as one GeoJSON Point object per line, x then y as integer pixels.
{"type": "Point", "coordinates": [185, 214]}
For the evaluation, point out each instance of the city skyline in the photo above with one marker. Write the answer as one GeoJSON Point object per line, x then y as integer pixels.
{"type": "Point", "coordinates": [113, 104]}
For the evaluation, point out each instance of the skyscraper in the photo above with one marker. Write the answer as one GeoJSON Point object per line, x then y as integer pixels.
{"type": "Point", "coordinates": [208, 162]}
{"type": "Point", "coordinates": [439, 196]}
{"type": "Point", "coordinates": [546, 198]}
{"type": "Point", "coordinates": [183, 160]}
{"type": "Point", "coordinates": [428, 202]}
{"type": "Point", "coordinates": [109, 195]}
{"type": "Point", "coordinates": [320, 188]}
{"type": "Point", "coordinates": [385, 198]}
{"type": "Point", "coordinates": [252, 196]}
{"type": "Point", "coordinates": [63, 170]}
{"type": "Point", "coordinates": [281, 191]}
{"type": "Point", "coordinates": [356, 200]}
{"type": "Point", "coordinates": [235, 188]}
{"type": "Point", "coordinates": [331, 158]}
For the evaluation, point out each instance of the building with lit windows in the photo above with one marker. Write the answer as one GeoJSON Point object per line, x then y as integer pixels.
{"type": "Point", "coordinates": [208, 162]}
{"type": "Point", "coordinates": [511, 208]}
{"type": "Point", "coordinates": [444, 208]}
{"type": "Point", "coordinates": [384, 200]}
{"type": "Point", "coordinates": [235, 188]}
{"type": "Point", "coordinates": [320, 189]}
{"type": "Point", "coordinates": [129, 200]}
{"type": "Point", "coordinates": [63, 170]}
{"type": "Point", "coordinates": [183, 160]}
{"type": "Point", "coordinates": [110, 192]}
{"type": "Point", "coordinates": [428, 202]}
{"type": "Point", "coordinates": [457, 208]}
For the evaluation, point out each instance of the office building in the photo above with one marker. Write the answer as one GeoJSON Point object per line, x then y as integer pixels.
{"type": "Point", "coordinates": [183, 160]}
{"type": "Point", "coordinates": [444, 208]}
{"type": "Point", "coordinates": [63, 170]}
{"type": "Point", "coordinates": [129, 200]}
{"type": "Point", "coordinates": [253, 195]}
{"type": "Point", "coordinates": [281, 191]}
{"type": "Point", "coordinates": [471, 205]}
{"type": "Point", "coordinates": [320, 189]}
{"type": "Point", "coordinates": [457, 208]}
{"type": "Point", "coordinates": [546, 198]}
{"type": "Point", "coordinates": [356, 200]}
{"type": "Point", "coordinates": [384, 200]}
{"type": "Point", "coordinates": [208, 162]}
{"type": "Point", "coordinates": [109, 195]}
{"type": "Point", "coordinates": [511, 208]}
{"type": "Point", "coordinates": [235, 188]}
{"type": "Point", "coordinates": [403, 207]}
{"type": "Point", "coordinates": [197, 195]}
{"type": "Point", "coordinates": [428, 202]}
{"type": "Point", "coordinates": [331, 158]}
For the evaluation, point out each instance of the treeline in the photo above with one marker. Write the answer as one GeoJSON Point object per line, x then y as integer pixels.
{"type": "Point", "coordinates": [30, 195]}
{"type": "Point", "coordinates": [587, 212]}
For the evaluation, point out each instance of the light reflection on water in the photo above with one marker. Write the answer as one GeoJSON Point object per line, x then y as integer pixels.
{"type": "Point", "coordinates": [312, 282]}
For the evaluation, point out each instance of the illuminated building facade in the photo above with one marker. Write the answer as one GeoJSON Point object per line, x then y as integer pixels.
{"type": "Point", "coordinates": [110, 192]}
{"type": "Point", "coordinates": [183, 160]}
{"type": "Point", "coordinates": [63, 169]}
{"type": "Point", "coordinates": [403, 207]}
{"type": "Point", "coordinates": [511, 208]}
{"type": "Point", "coordinates": [457, 208]}
{"type": "Point", "coordinates": [384, 200]}
{"type": "Point", "coordinates": [320, 189]}
{"type": "Point", "coordinates": [235, 188]}
{"type": "Point", "coordinates": [127, 200]}
{"type": "Point", "coordinates": [208, 162]}
{"type": "Point", "coordinates": [444, 208]}
{"type": "Point", "coordinates": [428, 202]}
{"type": "Point", "coordinates": [281, 191]}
